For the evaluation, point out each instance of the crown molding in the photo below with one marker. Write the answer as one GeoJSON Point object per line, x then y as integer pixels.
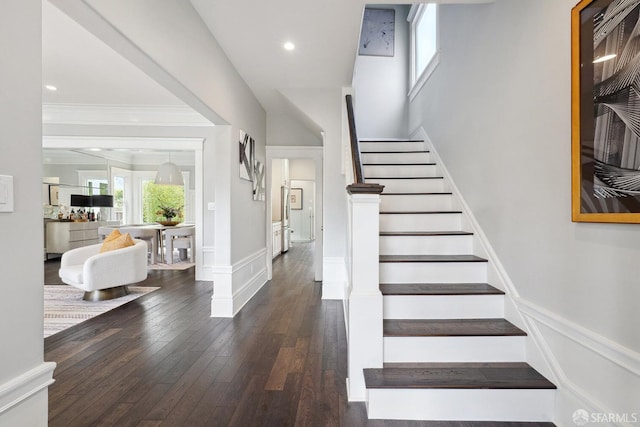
{"type": "Point", "coordinates": [122, 115]}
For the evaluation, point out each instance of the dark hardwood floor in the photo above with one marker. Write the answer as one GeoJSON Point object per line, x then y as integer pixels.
{"type": "Point", "coordinates": [162, 360]}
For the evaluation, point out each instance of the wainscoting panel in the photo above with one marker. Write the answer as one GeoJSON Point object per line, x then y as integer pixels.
{"type": "Point", "coordinates": [233, 286]}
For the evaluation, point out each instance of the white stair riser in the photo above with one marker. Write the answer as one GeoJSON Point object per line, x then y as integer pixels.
{"type": "Point", "coordinates": [426, 245]}
{"type": "Point", "coordinates": [461, 404]}
{"type": "Point", "coordinates": [410, 185]}
{"type": "Point", "coordinates": [454, 349]}
{"type": "Point", "coordinates": [391, 171]}
{"type": "Point", "coordinates": [392, 146]}
{"type": "Point", "coordinates": [424, 222]}
{"type": "Point", "coordinates": [396, 157]}
{"type": "Point", "coordinates": [443, 307]}
{"type": "Point", "coordinates": [417, 203]}
{"type": "Point", "coordinates": [433, 272]}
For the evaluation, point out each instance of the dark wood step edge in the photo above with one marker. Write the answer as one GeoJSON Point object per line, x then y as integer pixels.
{"type": "Point", "coordinates": [392, 140]}
{"type": "Point", "coordinates": [438, 289]}
{"type": "Point", "coordinates": [430, 258]}
{"type": "Point", "coordinates": [427, 328]}
{"type": "Point", "coordinates": [433, 193]}
{"type": "Point", "coordinates": [396, 152]}
{"type": "Point", "coordinates": [457, 376]}
{"type": "Point", "coordinates": [404, 177]}
{"type": "Point", "coordinates": [425, 233]}
{"type": "Point", "coordinates": [400, 164]}
{"type": "Point", "coordinates": [418, 212]}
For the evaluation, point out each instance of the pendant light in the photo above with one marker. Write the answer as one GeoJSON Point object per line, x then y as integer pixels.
{"type": "Point", "coordinates": [169, 174]}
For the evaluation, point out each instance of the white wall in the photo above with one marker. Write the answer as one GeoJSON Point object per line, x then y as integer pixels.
{"type": "Point", "coordinates": [23, 376]}
{"type": "Point", "coordinates": [497, 109]}
{"type": "Point", "coordinates": [302, 169]}
{"type": "Point", "coordinates": [381, 86]}
{"type": "Point", "coordinates": [287, 130]}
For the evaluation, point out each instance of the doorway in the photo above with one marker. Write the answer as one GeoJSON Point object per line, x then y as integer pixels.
{"type": "Point", "coordinates": [305, 165]}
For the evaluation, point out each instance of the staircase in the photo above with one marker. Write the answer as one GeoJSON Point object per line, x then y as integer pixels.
{"type": "Point", "coordinates": [449, 354]}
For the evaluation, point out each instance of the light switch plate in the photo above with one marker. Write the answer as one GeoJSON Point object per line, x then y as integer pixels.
{"type": "Point", "coordinates": [6, 193]}
{"type": "Point", "coordinates": [211, 206]}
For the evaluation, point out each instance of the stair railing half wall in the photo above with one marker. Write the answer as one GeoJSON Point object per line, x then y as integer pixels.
{"type": "Point", "coordinates": [364, 322]}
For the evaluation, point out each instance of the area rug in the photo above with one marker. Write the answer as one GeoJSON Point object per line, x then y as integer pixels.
{"type": "Point", "coordinates": [177, 264]}
{"type": "Point", "coordinates": [64, 306]}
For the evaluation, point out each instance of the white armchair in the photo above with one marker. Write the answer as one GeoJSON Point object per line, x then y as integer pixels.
{"type": "Point", "coordinates": [104, 275]}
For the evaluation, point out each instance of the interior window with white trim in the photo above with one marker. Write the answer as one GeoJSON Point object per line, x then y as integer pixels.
{"type": "Point", "coordinates": [424, 44]}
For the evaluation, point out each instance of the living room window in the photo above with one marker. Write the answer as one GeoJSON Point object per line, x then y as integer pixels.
{"type": "Point", "coordinates": [423, 19]}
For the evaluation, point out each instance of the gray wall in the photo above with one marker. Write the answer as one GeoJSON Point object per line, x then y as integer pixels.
{"type": "Point", "coordinates": [21, 305]}
{"type": "Point", "coordinates": [381, 87]}
{"type": "Point", "coordinates": [498, 110]}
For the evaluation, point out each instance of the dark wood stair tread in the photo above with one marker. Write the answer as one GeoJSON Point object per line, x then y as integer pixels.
{"type": "Point", "coordinates": [431, 258]}
{"type": "Point", "coordinates": [391, 140]}
{"type": "Point", "coordinates": [404, 177]}
{"type": "Point", "coordinates": [439, 289]}
{"type": "Point", "coordinates": [457, 376]}
{"type": "Point", "coordinates": [395, 152]}
{"type": "Point", "coordinates": [426, 233]}
{"type": "Point", "coordinates": [400, 164]}
{"type": "Point", "coordinates": [450, 328]}
{"type": "Point", "coordinates": [433, 193]}
{"type": "Point", "coordinates": [420, 212]}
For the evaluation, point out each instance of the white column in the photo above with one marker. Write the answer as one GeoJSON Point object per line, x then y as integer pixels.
{"type": "Point", "coordinates": [365, 300]}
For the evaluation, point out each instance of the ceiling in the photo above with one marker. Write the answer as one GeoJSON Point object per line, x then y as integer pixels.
{"type": "Point", "coordinates": [325, 35]}
{"type": "Point", "coordinates": [87, 71]}
{"type": "Point", "coordinates": [252, 34]}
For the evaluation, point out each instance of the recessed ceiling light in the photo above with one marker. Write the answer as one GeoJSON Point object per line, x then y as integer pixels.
{"type": "Point", "coordinates": [604, 58]}
{"type": "Point", "coordinates": [289, 46]}
{"type": "Point", "coordinates": [52, 88]}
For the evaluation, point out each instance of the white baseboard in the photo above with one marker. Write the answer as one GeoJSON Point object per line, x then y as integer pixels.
{"type": "Point", "coordinates": [334, 278]}
{"type": "Point", "coordinates": [24, 386]}
{"type": "Point", "coordinates": [234, 286]}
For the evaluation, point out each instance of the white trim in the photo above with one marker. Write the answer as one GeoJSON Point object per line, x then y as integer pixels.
{"type": "Point", "coordinates": [235, 285]}
{"type": "Point", "coordinates": [610, 350]}
{"type": "Point", "coordinates": [122, 115]}
{"type": "Point", "coordinates": [22, 387]}
{"type": "Point", "coordinates": [113, 142]}
{"type": "Point", "coordinates": [429, 69]}
{"type": "Point", "coordinates": [416, 82]}
{"type": "Point", "coordinates": [335, 281]}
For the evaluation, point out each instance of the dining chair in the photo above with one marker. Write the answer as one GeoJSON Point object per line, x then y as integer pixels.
{"type": "Point", "coordinates": [149, 235]}
{"type": "Point", "coordinates": [179, 238]}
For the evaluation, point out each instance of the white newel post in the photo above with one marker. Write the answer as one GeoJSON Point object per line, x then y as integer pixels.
{"type": "Point", "coordinates": [365, 300]}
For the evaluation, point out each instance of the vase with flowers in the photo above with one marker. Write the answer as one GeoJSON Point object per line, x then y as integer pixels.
{"type": "Point", "coordinates": [169, 213]}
